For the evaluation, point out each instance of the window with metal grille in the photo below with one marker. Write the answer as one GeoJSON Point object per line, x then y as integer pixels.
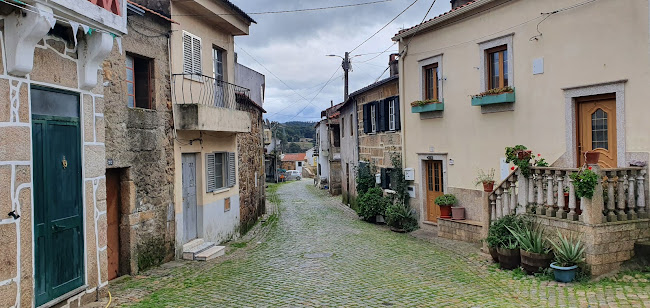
{"type": "Point", "coordinates": [191, 54]}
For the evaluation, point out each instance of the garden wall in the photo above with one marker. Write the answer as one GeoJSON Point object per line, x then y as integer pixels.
{"type": "Point", "coordinates": [460, 230]}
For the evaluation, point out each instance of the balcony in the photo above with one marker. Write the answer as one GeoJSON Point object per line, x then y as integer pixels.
{"type": "Point", "coordinates": [109, 15]}
{"type": "Point", "coordinates": [206, 104]}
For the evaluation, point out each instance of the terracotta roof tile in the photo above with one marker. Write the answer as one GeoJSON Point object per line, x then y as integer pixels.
{"type": "Point", "coordinates": [443, 14]}
{"type": "Point", "coordinates": [294, 157]}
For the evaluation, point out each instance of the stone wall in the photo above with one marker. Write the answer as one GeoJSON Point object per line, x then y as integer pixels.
{"type": "Point", "coordinates": [141, 140]}
{"type": "Point", "coordinates": [55, 66]}
{"type": "Point", "coordinates": [460, 230]}
{"type": "Point", "coordinates": [251, 168]}
{"type": "Point", "coordinates": [606, 245]}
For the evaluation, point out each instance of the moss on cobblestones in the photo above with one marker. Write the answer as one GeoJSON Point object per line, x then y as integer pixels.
{"type": "Point", "coordinates": [369, 266]}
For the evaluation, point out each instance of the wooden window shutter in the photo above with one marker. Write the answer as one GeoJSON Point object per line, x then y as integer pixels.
{"type": "Point", "coordinates": [379, 116]}
{"type": "Point", "coordinates": [232, 176]}
{"type": "Point", "coordinates": [384, 178]}
{"type": "Point", "coordinates": [211, 184]}
{"type": "Point", "coordinates": [383, 115]}
{"type": "Point", "coordinates": [366, 119]}
{"type": "Point", "coordinates": [196, 55]}
{"type": "Point", "coordinates": [398, 124]}
{"type": "Point", "coordinates": [187, 54]}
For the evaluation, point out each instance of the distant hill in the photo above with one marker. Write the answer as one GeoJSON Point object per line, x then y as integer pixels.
{"type": "Point", "coordinates": [295, 135]}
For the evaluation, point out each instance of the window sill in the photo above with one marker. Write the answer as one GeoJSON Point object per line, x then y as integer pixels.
{"type": "Point", "coordinates": [221, 190]}
{"type": "Point", "coordinates": [508, 97]}
{"type": "Point", "coordinates": [193, 78]}
{"type": "Point", "coordinates": [428, 107]}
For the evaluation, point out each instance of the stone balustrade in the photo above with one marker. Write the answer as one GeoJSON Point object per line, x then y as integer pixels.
{"type": "Point", "coordinates": [550, 191]}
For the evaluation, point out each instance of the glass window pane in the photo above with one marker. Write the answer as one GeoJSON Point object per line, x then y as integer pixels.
{"type": "Point", "coordinates": [130, 88]}
{"type": "Point", "coordinates": [129, 61]}
{"type": "Point", "coordinates": [129, 74]}
{"type": "Point", "coordinates": [505, 68]}
{"type": "Point", "coordinates": [131, 101]}
{"type": "Point", "coordinates": [52, 103]}
{"type": "Point", "coordinates": [599, 130]}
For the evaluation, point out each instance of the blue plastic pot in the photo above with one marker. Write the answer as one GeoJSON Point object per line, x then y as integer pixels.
{"type": "Point", "coordinates": [564, 274]}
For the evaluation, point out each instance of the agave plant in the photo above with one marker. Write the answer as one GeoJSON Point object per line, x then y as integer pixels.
{"type": "Point", "coordinates": [569, 251]}
{"type": "Point", "coordinates": [530, 238]}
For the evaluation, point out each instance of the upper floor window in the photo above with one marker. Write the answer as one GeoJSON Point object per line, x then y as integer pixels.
{"type": "Point", "coordinates": [391, 115]}
{"type": "Point", "coordinates": [217, 63]}
{"type": "Point", "coordinates": [430, 82]}
{"type": "Point", "coordinates": [220, 170]}
{"type": "Point", "coordinates": [138, 82]}
{"type": "Point", "coordinates": [497, 66]}
{"type": "Point", "coordinates": [381, 116]}
{"type": "Point", "coordinates": [342, 127]}
{"type": "Point", "coordinates": [191, 54]}
{"type": "Point", "coordinates": [351, 125]}
{"type": "Point", "coordinates": [373, 118]}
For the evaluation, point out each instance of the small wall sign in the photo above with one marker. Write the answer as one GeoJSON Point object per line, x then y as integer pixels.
{"type": "Point", "coordinates": [109, 162]}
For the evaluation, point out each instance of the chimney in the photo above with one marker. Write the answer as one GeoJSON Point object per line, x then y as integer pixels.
{"type": "Point", "coordinates": [457, 3]}
{"type": "Point", "coordinates": [393, 60]}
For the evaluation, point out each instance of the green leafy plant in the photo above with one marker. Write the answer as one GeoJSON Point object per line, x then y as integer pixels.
{"type": "Point", "coordinates": [372, 203]}
{"type": "Point", "coordinates": [530, 238]}
{"type": "Point", "coordinates": [400, 216]}
{"type": "Point", "coordinates": [446, 199]}
{"type": "Point", "coordinates": [523, 163]}
{"type": "Point", "coordinates": [540, 161]}
{"type": "Point", "coordinates": [496, 91]}
{"type": "Point", "coordinates": [498, 233]}
{"type": "Point", "coordinates": [424, 102]}
{"type": "Point", "coordinates": [484, 177]}
{"type": "Point", "coordinates": [398, 181]}
{"type": "Point", "coordinates": [585, 182]}
{"type": "Point", "coordinates": [569, 250]}
{"type": "Point", "coordinates": [365, 177]}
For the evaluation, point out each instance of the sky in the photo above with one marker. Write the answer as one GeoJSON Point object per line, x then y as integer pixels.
{"type": "Point", "coordinates": [290, 49]}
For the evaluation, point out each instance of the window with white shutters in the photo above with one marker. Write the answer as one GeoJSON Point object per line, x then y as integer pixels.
{"type": "Point", "coordinates": [220, 170]}
{"type": "Point", "coordinates": [191, 54]}
{"type": "Point", "coordinates": [210, 172]}
{"type": "Point", "coordinates": [232, 170]}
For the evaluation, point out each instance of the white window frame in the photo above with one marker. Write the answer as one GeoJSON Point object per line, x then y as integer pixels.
{"type": "Point", "coordinates": [424, 63]}
{"type": "Point", "coordinates": [373, 118]}
{"type": "Point", "coordinates": [195, 60]}
{"type": "Point", "coordinates": [391, 115]}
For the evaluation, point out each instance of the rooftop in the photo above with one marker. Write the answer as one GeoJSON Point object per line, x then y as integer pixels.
{"type": "Point", "coordinates": [466, 7]}
{"type": "Point", "coordinates": [294, 157]}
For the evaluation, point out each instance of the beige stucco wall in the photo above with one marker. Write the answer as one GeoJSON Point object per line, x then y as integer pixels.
{"type": "Point", "coordinates": [601, 42]}
{"type": "Point", "coordinates": [55, 66]}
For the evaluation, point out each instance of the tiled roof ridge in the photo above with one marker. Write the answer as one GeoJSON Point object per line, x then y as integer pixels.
{"type": "Point", "coordinates": [443, 14]}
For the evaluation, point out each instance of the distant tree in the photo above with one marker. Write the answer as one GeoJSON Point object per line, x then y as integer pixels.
{"type": "Point", "coordinates": [294, 148]}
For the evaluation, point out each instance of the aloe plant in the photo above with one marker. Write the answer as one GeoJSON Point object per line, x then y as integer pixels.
{"type": "Point", "coordinates": [530, 238]}
{"type": "Point", "coordinates": [569, 251]}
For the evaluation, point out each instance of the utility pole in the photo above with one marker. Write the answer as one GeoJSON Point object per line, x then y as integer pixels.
{"type": "Point", "coordinates": [346, 68]}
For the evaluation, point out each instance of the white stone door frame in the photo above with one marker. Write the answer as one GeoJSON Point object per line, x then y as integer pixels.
{"type": "Point", "coordinates": [573, 93]}
{"type": "Point", "coordinates": [422, 159]}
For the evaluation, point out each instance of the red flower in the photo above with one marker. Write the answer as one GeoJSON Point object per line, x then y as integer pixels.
{"type": "Point", "coordinates": [512, 168]}
{"type": "Point", "coordinates": [538, 155]}
{"type": "Point", "coordinates": [589, 168]}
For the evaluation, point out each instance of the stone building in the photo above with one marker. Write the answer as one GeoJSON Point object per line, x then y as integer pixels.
{"type": "Point", "coordinates": [139, 147]}
{"type": "Point", "coordinates": [52, 151]}
{"type": "Point", "coordinates": [209, 114]}
{"type": "Point", "coordinates": [328, 131]}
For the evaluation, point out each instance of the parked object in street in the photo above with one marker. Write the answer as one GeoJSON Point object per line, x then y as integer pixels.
{"type": "Point", "coordinates": [291, 175]}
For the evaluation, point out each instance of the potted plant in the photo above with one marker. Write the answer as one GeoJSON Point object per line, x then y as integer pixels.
{"type": "Point", "coordinates": [487, 179]}
{"type": "Point", "coordinates": [584, 182]}
{"type": "Point", "coordinates": [509, 256]}
{"type": "Point", "coordinates": [592, 157]}
{"type": "Point", "coordinates": [372, 204]}
{"type": "Point", "coordinates": [502, 244]}
{"type": "Point", "coordinates": [493, 242]}
{"type": "Point", "coordinates": [400, 218]}
{"type": "Point", "coordinates": [569, 253]}
{"type": "Point", "coordinates": [535, 251]}
{"type": "Point", "coordinates": [457, 213]}
{"type": "Point", "coordinates": [445, 202]}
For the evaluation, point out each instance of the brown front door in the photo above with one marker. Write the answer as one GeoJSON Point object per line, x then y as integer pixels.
{"type": "Point", "coordinates": [597, 129]}
{"type": "Point", "coordinates": [113, 217]}
{"type": "Point", "coordinates": [434, 188]}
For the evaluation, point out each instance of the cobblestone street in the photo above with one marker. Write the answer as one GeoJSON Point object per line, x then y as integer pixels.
{"type": "Point", "coordinates": [317, 253]}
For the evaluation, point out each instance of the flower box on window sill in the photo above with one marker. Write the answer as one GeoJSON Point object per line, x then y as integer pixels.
{"type": "Point", "coordinates": [505, 97]}
{"type": "Point", "coordinates": [438, 106]}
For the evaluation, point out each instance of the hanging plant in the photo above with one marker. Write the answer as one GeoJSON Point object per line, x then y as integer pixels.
{"type": "Point", "coordinates": [585, 182]}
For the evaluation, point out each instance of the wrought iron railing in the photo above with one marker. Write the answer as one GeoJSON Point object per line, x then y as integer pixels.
{"type": "Point", "coordinates": [199, 89]}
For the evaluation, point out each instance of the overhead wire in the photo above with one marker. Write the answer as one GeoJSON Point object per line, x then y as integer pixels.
{"type": "Point", "coordinates": [296, 10]}
{"type": "Point", "coordinates": [319, 91]}
{"type": "Point", "coordinates": [384, 27]}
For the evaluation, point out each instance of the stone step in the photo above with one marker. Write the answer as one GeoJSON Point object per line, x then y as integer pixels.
{"type": "Point", "coordinates": [210, 253]}
{"type": "Point", "coordinates": [193, 243]}
{"type": "Point", "coordinates": [191, 253]}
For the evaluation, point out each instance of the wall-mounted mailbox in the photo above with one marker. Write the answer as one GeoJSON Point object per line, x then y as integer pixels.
{"type": "Point", "coordinates": [378, 178]}
{"type": "Point", "coordinates": [411, 191]}
{"type": "Point", "coordinates": [409, 174]}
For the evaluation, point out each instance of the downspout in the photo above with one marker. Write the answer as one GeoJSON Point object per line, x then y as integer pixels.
{"type": "Point", "coordinates": [402, 76]}
{"type": "Point", "coordinates": [171, 81]}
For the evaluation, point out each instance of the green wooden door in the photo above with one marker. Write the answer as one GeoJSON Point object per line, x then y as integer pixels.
{"type": "Point", "coordinates": [58, 212]}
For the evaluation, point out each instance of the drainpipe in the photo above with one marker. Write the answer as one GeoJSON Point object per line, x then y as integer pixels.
{"type": "Point", "coordinates": [402, 76]}
{"type": "Point", "coordinates": [171, 84]}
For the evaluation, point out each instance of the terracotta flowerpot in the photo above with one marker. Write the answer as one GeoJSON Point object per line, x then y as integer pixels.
{"type": "Point", "coordinates": [458, 213]}
{"type": "Point", "coordinates": [445, 211]}
{"type": "Point", "coordinates": [509, 258]}
{"type": "Point", "coordinates": [494, 254]}
{"type": "Point", "coordinates": [488, 186]}
{"type": "Point", "coordinates": [591, 158]}
{"type": "Point", "coordinates": [535, 262]}
{"type": "Point", "coordinates": [524, 154]}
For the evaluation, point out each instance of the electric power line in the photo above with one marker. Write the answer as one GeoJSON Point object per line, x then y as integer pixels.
{"type": "Point", "coordinates": [296, 10]}
{"type": "Point", "coordinates": [386, 25]}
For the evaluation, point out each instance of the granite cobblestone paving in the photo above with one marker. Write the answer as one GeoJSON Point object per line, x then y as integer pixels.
{"type": "Point", "coordinates": [318, 254]}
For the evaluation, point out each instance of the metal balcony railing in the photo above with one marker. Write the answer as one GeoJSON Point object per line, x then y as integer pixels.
{"type": "Point", "coordinates": [204, 90]}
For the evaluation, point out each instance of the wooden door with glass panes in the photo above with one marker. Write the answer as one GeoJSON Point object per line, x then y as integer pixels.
{"type": "Point", "coordinates": [434, 188]}
{"type": "Point", "coordinates": [597, 129]}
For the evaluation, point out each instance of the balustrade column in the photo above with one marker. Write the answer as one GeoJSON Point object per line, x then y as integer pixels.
{"type": "Point", "coordinates": [611, 202]}
{"type": "Point", "coordinates": [620, 191]}
{"type": "Point", "coordinates": [631, 196]}
{"type": "Point", "coordinates": [550, 210]}
{"type": "Point", "coordinates": [640, 201]}
{"type": "Point", "coordinates": [572, 215]}
{"type": "Point", "coordinates": [541, 210]}
{"type": "Point", "coordinates": [513, 196]}
{"type": "Point", "coordinates": [493, 207]}
{"type": "Point", "coordinates": [531, 190]}
{"type": "Point", "coordinates": [561, 213]}
{"type": "Point", "coordinates": [498, 203]}
{"type": "Point", "coordinates": [505, 199]}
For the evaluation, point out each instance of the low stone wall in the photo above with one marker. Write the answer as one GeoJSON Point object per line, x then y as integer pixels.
{"type": "Point", "coordinates": [471, 200]}
{"type": "Point", "coordinates": [460, 230]}
{"type": "Point", "coordinates": [606, 245]}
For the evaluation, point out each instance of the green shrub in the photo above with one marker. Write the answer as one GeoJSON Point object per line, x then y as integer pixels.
{"type": "Point", "coordinates": [401, 216]}
{"type": "Point", "coordinates": [500, 236]}
{"type": "Point", "coordinates": [530, 238]}
{"type": "Point", "coordinates": [569, 251]}
{"type": "Point", "coordinates": [365, 178]}
{"type": "Point", "coordinates": [585, 182]}
{"type": "Point", "coordinates": [446, 199]}
{"type": "Point", "coordinates": [372, 203]}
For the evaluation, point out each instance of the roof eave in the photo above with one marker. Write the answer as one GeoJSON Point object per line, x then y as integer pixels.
{"type": "Point", "coordinates": [449, 15]}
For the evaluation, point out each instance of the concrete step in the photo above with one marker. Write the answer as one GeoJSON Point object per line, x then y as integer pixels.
{"type": "Point", "coordinates": [210, 253]}
{"type": "Point", "coordinates": [191, 253]}
{"type": "Point", "coordinates": [193, 243]}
